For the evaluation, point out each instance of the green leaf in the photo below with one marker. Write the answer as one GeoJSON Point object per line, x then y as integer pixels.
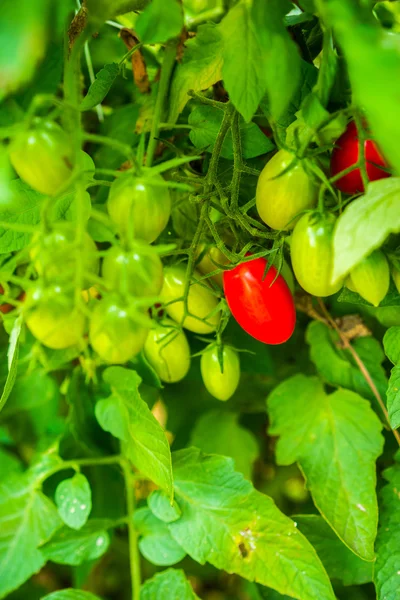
{"type": "Point", "coordinates": [229, 524]}
{"type": "Point", "coordinates": [160, 21]}
{"type": "Point", "coordinates": [365, 224]}
{"type": "Point", "coordinates": [339, 562]}
{"type": "Point", "coordinates": [391, 343]}
{"type": "Point", "coordinates": [336, 440]}
{"type": "Point", "coordinates": [168, 585]}
{"type": "Point", "coordinates": [100, 86]}
{"type": "Point", "coordinates": [200, 67]}
{"type": "Point", "coordinates": [393, 397]}
{"type": "Point", "coordinates": [23, 209]}
{"type": "Point", "coordinates": [71, 594]}
{"type": "Point", "coordinates": [259, 57]}
{"type": "Point", "coordinates": [12, 361]}
{"type": "Point", "coordinates": [206, 122]}
{"type": "Point", "coordinates": [162, 508]}
{"type": "Point", "coordinates": [386, 575]}
{"type": "Point", "coordinates": [71, 547]}
{"type": "Point", "coordinates": [373, 62]}
{"type": "Point", "coordinates": [10, 463]}
{"type": "Point", "coordinates": [156, 543]}
{"type": "Point", "coordinates": [336, 365]}
{"type": "Point", "coordinates": [74, 500]}
{"type": "Point", "coordinates": [31, 390]}
{"type": "Point", "coordinates": [27, 520]}
{"type": "Point", "coordinates": [127, 417]}
{"type": "Point", "coordinates": [218, 432]}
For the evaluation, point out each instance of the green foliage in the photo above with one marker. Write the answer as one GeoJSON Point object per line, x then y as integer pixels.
{"type": "Point", "coordinates": [168, 585]}
{"type": "Point", "coordinates": [74, 501]}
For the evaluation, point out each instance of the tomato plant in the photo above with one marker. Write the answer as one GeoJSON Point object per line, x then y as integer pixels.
{"type": "Point", "coordinates": [201, 315]}
{"type": "Point", "coordinates": [284, 189]}
{"type": "Point", "coordinates": [168, 352]}
{"type": "Point", "coordinates": [113, 334]}
{"type": "Point", "coordinates": [43, 144]}
{"type": "Point", "coordinates": [262, 305]}
{"type": "Point", "coordinates": [347, 152]}
{"type": "Point", "coordinates": [171, 178]}
{"type": "Point", "coordinates": [221, 383]}
{"type": "Point", "coordinates": [312, 253]}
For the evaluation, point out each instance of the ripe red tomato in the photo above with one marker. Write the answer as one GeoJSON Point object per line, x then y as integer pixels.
{"type": "Point", "coordinates": [265, 311]}
{"type": "Point", "coordinates": [346, 153]}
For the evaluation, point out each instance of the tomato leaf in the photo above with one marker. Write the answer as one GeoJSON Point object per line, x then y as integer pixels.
{"type": "Point", "coordinates": [162, 508]}
{"type": "Point", "coordinates": [74, 500]}
{"type": "Point", "coordinates": [218, 525]}
{"type": "Point", "coordinates": [156, 543]}
{"type": "Point", "coordinates": [365, 224]}
{"type": "Point", "coordinates": [259, 57]}
{"type": "Point", "coordinates": [339, 562]}
{"type": "Point", "coordinates": [336, 440]}
{"type": "Point", "coordinates": [160, 21]}
{"type": "Point", "coordinates": [12, 361]}
{"type": "Point", "coordinates": [218, 432]}
{"type": "Point", "coordinates": [200, 67]}
{"type": "Point", "coordinates": [206, 122]}
{"type": "Point", "coordinates": [386, 572]}
{"type": "Point", "coordinates": [391, 342]}
{"type": "Point", "coordinates": [100, 87]}
{"type": "Point", "coordinates": [168, 584]}
{"type": "Point", "coordinates": [127, 417]}
{"type": "Point", "coordinates": [71, 547]}
{"type": "Point", "coordinates": [27, 519]}
{"type": "Point", "coordinates": [71, 594]}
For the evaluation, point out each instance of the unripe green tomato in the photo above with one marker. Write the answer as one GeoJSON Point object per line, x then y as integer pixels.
{"type": "Point", "coordinates": [139, 206]}
{"type": "Point", "coordinates": [52, 317]}
{"type": "Point", "coordinates": [55, 255]}
{"type": "Point", "coordinates": [168, 352]}
{"type": "Point", "coordinates": [201, 301]}
{"type": "Point", "coordinates": [312, 254]}
{"type": "Point", "coordinates": [281, 197]}
{"type": "Point", "coordinates": [42, 156]}
{"type": "Point", "coordinates": [220, 385]}
{"type": "Point", "coordinates": [396, 278]}
{"type": "Point", "coordinates": [113, 334]}
{"type": "Point", "coordinates": [371, 277]}
{"type": "Point", "coordinates": [134, 272]}
{"type": "Point", "coordinates": [207, 263]}
{"type": "Point", "coordinates": [349, 284]}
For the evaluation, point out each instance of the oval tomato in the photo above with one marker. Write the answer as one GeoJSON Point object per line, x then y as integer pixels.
{"type": "Point", "coordinates": [220, 384]}
{"type": "Point", "coordinates": [347, 152]}
{"type": "Point", "coordinates": [312, 254]}
{"type": "Point", "coordinates": [280, 196]}
{"type": "Point", "coordinates": [113, 334]}
{"type": "Point", "coordinates": [201, 301]}
{"type": "Point", "coordinates": [138, 272]}
{"type": "Point", "coordinates": [42, 156]}
{"type": "Point", "coordinates": [371, 277]}
{"type": "Point", "coordinates": [168, 352]}
{"type": "Point", "coordinates": [52, 317]}
{"type": "Point", "coordinates": [210, 262]}
{"type": "Point", "coordinates": [265, 310]}
{"type": "Point", "coordinates": [55, 255]}
{"type": "Point", "coordinates": [139, 206]}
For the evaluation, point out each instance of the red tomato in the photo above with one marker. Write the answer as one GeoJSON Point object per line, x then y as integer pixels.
{"type": "Point", "coordinates": [265, 311]}
{"type": "Point", "coordinates": [346, 153]}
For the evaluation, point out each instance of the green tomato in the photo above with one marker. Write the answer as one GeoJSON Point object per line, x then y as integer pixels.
{"type": "Point", "coordinates": [220, 385]}
{"type": "Point", "coordinates": [312, 254]}
{"type": "Point", "coordinates": [201, 301]}
{"type": "Point", "coordinates": [168, 352]}
{"type": "Point", "coordinates": [139, 206]}
{"type": "Point", "coordinates": [113, 334]}
{"type": "Point", "coordinates": [281, 197]}
{"type": "Point", "coordinates": [371, 277]}
{"type": "Point", "coordinates": [52, 317]}
{"type": "Point", "coordinates": [210, 261]}
{"type": "Point", "coordinates": [137, 272]}
{"type": "Point", "coordinates": [56, 254]}
{"type": "Point", "coordinates": [42, 156]}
